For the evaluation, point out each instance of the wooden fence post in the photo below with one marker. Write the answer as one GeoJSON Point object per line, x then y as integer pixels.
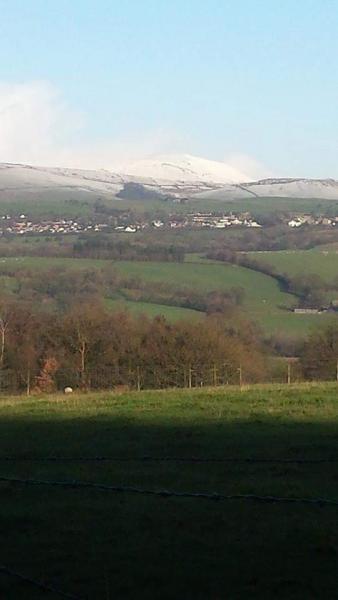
{"type": "Point", "coordinates": [189, 377]}
{"type": "Point", "coordinates": [289, 372]}
{"type": "Point", "coordinates": [215, 375]}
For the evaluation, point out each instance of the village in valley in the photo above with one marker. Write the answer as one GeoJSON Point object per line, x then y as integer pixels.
{"type": "Point", "coordinates": [27, 225]}
{"type": "Point", "coordinates": [126, 222]}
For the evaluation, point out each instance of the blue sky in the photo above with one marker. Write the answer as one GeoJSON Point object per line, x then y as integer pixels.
{"type": "Point", "coordinates": [237, 80]}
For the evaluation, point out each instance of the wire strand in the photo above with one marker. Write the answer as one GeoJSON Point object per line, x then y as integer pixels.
{"type": "Point", "coordinates": [183, 459]}
{"type": "Point", "coordinates": [170, 493]}
{"type": "Point", "coordinates": [38, 584]}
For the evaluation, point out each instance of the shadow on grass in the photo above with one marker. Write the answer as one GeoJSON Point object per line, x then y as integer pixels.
{"type": "Point", "coordinates": [104, 545]}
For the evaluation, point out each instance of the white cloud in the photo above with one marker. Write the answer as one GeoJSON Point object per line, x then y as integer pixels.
{"type": "Point", "coordinates": [247, 164]}
{"type": "Point", "coordinates": [117, 153]}
{"type": "Point", "coordinates": [37, 127]}
{"type": "Point", "coordinates": [34, 122]}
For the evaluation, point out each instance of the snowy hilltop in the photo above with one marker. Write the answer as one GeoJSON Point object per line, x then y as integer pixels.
{"type": "Point", "coordinates": [181, 175]}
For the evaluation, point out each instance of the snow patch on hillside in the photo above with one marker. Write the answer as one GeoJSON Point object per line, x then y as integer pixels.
{"type": "Point", "coordinates": [179, 175]}
{"type": "Point", "coordinates": [184, 168]}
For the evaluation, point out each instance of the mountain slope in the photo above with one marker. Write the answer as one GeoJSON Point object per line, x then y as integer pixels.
{"type": "Point", "coordinates": [184, 168]}
{"type": "Point", "coordinates": [278, 188]}
{"type": "Point", "coordinates": [181, 175]}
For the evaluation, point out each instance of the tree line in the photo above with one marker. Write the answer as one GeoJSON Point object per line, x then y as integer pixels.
{"type": "Point", "coordinates": [90, 347]}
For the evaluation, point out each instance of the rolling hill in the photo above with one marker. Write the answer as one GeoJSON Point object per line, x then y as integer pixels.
{"type": "Point", "coordinates": [179, 175]}
{"type": "Point", "coordinates": [278, 188]}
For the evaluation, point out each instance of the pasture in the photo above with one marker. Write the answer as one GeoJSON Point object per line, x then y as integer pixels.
{"type": "Point", "coordinates": [319, 261]}
{"type": "Point", "coordinates": [96, 543]}
{"type": "Point", "coordinates": [74, 202]}
{"type": "Point", "coordinates": [260, 206]}
{"type": "Point", "coordinates": [46, 204]}
{"type": "Point", "coordinates": [264, 301]}
{"type": "Point", "coordinates": [152, 309]}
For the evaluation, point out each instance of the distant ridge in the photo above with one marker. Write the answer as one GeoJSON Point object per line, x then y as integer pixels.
{"type": "Point", "coordinates": [281, 188]}
{"type": "Point", "coordinates": [180, 175]}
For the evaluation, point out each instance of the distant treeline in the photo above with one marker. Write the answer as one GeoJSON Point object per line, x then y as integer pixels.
{"type": "Point", "coordinates": [105, 248]}
{"type": "Point", "coordinates": [102, 247]}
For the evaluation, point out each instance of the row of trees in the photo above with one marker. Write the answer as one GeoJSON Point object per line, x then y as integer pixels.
{"type": "Point", "coordinates": [104, 247]}
{"type": "Point", "coordinates": [89, 347]}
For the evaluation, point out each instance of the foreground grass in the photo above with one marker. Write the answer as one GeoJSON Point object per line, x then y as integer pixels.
{"type": "Point", "coordinates": [103, 545]}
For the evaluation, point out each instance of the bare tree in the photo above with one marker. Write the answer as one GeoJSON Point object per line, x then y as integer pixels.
{"type": "Point", "coordinates": [6, 311]}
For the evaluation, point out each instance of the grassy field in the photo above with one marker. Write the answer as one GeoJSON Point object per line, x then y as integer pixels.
{"type": "Point", "coordinates": [319, 261]}
{"type": "Point", "coordinates": [54, 203]}
{"type": "Point", "coordinates": [74, 203]}
{"type": "Point", "coordinates": [264, 301]}
{"type": "Point", "coordinates": [100, 544]}
{"type": "Point", "coordinates": [151, 310]}
{"type": "Point", "coordinates": [265, 205]}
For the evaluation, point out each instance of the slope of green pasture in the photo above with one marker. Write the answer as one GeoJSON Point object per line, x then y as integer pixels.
{"type": "Point", "coordinates": [151, 310]}
{"type": "Point", "coordinates": [263, 300]}
{"type": "Point", "coordinates": [76, 202]}
{"type": "Point", "coordinates": [265, 205]}
{"type": "Point", "coordinates": [95, 543]}
{"type": "Point", "coordinates": [51, 203]}
{"type": "Point", "coordinates": [262, 291]}
{"type": "Point", "coordinates": [257, 206]}
{"type": "Point", "coordinates": [302, 262]}
{"type": "Point", "coordinates": [331, 247]}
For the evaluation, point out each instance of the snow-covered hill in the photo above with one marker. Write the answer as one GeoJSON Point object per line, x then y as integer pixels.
{"type": "Point", "coordinates": [181, 175]}
{"type": "Point", "coordinates": [295, 188]}
{"type": "Point", "coordinates": [184, 168]}
{"type": "Point", "coordinates": [282, 188]}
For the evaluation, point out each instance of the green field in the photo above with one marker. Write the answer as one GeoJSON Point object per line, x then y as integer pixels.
{"type": "Point", "coordinates": [100, 544]}
{"type": "Point", "coordinates": [53, 203]}
{"type": "Point", "coordinates": [264, 301]}
{"type": "Point", "coordinates": [319, 261]}
{"type": "Point", "coordinates": [65, 202]}
{"type": "Point", "coordinates": [265, 205]}
{"type": "Point", "coordinates": [151, 310]}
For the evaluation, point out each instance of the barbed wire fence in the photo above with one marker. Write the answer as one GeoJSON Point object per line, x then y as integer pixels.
{"type": "Point", "coordinates": [36, 583]}
{"type": "Point", "coordinates": [142, 377]}
{"type": "Point", "coordinates": [214, 497]}
{"type": "Point", "coordinates": [123, 489]}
